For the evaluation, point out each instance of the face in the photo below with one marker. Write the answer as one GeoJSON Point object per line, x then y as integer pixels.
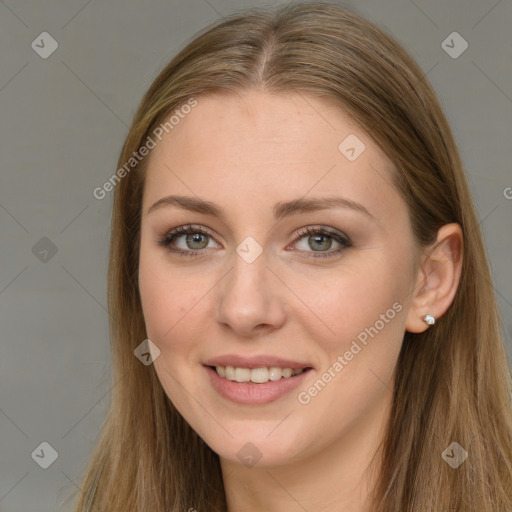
{"type": "Point", "coordinates": [257, 269]}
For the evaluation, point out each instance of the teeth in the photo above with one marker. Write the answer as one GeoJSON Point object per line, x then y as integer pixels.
{"type": "Point", "coordinates": [257, 375]}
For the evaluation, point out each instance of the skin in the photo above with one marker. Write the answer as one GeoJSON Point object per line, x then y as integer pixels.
{"type": "Point", "coordinates": [246, 152]}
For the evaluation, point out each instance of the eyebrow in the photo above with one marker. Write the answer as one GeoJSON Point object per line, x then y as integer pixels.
{"type": "Point", "coordinates": [280, 210]}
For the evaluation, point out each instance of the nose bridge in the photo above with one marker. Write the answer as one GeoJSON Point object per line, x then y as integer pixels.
{"type": "Point", "coordinates": [246, 281]}
{"type": "Point", "coordinates": [249, 265]}
{"type": "Point", "coordinates": [247, 297]}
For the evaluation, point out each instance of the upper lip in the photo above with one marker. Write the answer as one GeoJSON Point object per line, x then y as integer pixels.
{"type": "Point", "coordinates": [255, 362]}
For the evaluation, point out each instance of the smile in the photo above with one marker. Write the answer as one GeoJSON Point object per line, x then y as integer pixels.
{"type": "Point", "coordinates": [256, 375]}
{"type": "Point", "coordinates": [270, 383]}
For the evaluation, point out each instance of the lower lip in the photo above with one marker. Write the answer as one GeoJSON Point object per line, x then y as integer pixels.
{"type": "Point", "coordinates": [252, 393]}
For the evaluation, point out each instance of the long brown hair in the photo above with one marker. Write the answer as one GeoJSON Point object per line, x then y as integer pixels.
{"type": "Point", "coordinates": [453, 383]}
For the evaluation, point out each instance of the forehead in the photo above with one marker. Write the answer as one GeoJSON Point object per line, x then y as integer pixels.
{"type": "Point", "coordinates": [253, 149]}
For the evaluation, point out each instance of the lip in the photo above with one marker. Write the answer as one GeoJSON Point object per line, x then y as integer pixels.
{"type": "Point", "coordinates": [255, 362]}
{"type": "Point", "coordinates": [251, 393]}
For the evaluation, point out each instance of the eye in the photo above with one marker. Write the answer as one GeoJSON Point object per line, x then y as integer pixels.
{"type": "Point", "coordinates": [187, 240]}
{"type": "Point", "coordinates": [319, 240]}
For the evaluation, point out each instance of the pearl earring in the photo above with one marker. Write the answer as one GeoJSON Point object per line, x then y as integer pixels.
{"type": "Point", "coordinates": [429, 319]}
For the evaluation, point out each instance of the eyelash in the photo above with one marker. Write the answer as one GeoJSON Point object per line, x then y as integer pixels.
{"type": "Point", "coordinates": [169, 237]}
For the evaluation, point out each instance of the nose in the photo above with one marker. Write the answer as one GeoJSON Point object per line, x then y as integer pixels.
{"type": "Point", "coordinates": [250, 300]}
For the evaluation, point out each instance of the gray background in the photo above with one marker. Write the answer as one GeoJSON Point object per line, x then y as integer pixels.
{"type": "Point", "coordinates": [63, 120]}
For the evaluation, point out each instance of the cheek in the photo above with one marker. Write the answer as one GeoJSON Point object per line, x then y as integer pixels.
{"type": "Point", "coordinates": [352, 297]}
{"type": "Point", "coordinates": [166, 298]}
{"type": "Point", "coordinates": [364, 311]}
{"type": "Point", "coordinates": [176, 305]}
{"type": "Point", "coordinates": [167, 318]}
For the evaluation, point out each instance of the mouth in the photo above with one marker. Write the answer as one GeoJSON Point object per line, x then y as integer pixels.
{"type": "Point", "coordinates": [260, 375]}
{"type": "Point", "coordinates": [258, 385]}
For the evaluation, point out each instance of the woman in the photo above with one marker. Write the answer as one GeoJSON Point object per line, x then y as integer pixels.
{"type": "Point", "coordinates": [302, 314]}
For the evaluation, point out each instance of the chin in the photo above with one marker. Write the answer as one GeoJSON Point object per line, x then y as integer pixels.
{"type": "Point", "coordinates": [256, 450]}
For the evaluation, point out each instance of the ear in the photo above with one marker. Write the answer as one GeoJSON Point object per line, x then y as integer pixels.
{"type": "Point", "coordinates": [438, 278]}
